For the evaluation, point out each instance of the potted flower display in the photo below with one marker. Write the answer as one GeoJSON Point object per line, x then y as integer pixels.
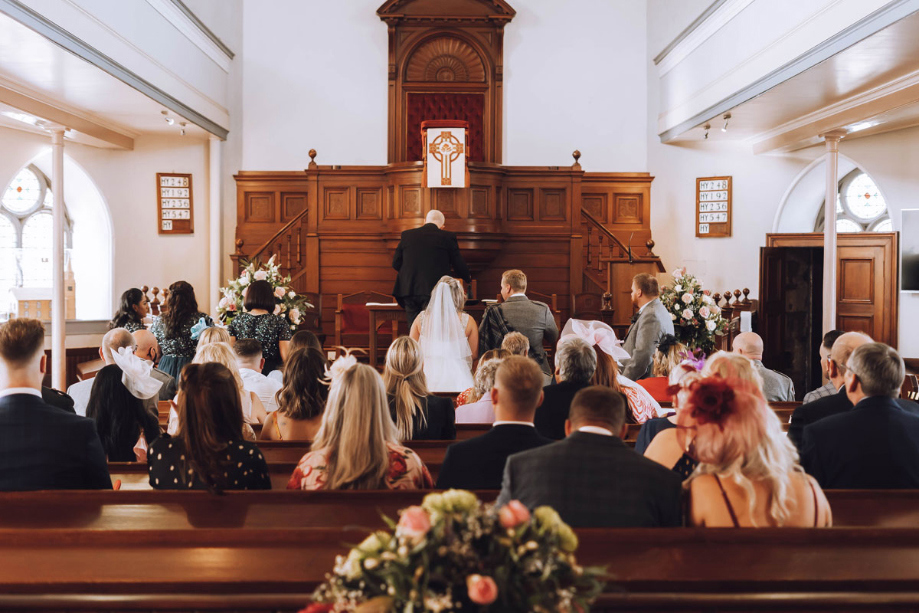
{"type": "Point", "coordinates": [288, 303]}
{"type": "Point", "coordinates": [696, 318]}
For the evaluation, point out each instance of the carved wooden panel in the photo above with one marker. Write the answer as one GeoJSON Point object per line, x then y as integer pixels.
{"type": "Point", "coordinates": [369, 204]}
{"type": "Point", "coordinates": [337, 203]}
{"type": "Point", "coordinates": [856, 281]}
{"type": "Point", "coordinates": [445, 59]}
{"type": "Point", "coordinates": [292, 205]}
{"type": "Point", "coordinates": [409, 201]}
{"type": "Point", "coordinates": [259, 207]}
{"type": "Point", "coordinates": [519, 204]}
{"type": "Point", "coordinates": [627, 208]}
{"type": "Point", "coordinates": [595, 204]}
{"type": "Point", "coordinates": [552, 205]}
{"type": "Point", "coordinates": [857, 323]}
{"type": "Point", "coordinates": [479, 208]}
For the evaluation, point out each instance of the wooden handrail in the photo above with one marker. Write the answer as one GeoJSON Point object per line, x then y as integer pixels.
{"type": "Point", "coordinates": [278, 234]}
{"type": "Point", "coordinates": [596, 223]}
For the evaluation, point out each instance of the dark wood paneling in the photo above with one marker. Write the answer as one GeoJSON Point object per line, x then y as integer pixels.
{"type": "Point", "coordinates": [595, 204]}
{"type": "Point", "coordinates": [292, 205]}
{"type": "Point", "coordinates": [337, 203]}
{"type": "Point", "coordinates": [259, 207]}
{"type": "Point", "coordinates": [552, 205]}
{"type": "Point", "coordinates": [627, 209]}
{"type": "Point", "coordinates": [369, 203]}
{"type": "Point", "coordinates": [520, 205]}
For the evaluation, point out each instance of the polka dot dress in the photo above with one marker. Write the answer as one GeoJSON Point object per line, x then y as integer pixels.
{"type": "Point", "coordinates": [245, 467]}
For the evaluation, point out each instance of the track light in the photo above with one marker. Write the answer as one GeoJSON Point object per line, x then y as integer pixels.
{"type": "Point", "coordinates": [727, 116]}
{"type": "Point", "coordinates": [182, 131]}
{"type": "Point", "coordinates": [168, 119]}
{"type": "Point", "coordinates": [707, 127]}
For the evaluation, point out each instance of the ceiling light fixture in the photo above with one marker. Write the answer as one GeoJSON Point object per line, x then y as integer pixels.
{"type": "Point", "coordinates": [707, 127]}
{"type": "Point", "coordinates": [168, 119]}
{"type": "Point", "coordinates": [864, 125]}
{"type": "Point", "coordinates": [726, 117]}
{"type": "Point", "coordinates": [182, 131]}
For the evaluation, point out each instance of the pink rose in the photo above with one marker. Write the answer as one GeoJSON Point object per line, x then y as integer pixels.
{"type": "Point", "coordinates": [687, 298]}
{"type": "Point", "coordinates": [704, 312]}
{"type": "Point", "coordinates": [295, 315]}
{"type": "Point", "coordinates": [414, 523]}
{"type": "Point", "coordinates": [513, 514]}
{"type": "Point", "coordinates": [231, 306]}
{"type": "Point", "coordinates": [277, 309]}
{"type": "Point", "coordinates": [260, 275]}
{"type": "Point", "coordinates": [687, 313]}
{"type": "Point", "coordinates": [481, 590]}
{"type": "Point", "coordinates": [279, 292]}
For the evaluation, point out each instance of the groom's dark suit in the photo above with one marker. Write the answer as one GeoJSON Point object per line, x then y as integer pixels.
{"type": "Point", "coordinates": [423, 256]}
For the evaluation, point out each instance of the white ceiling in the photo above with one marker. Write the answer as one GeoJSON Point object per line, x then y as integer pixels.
{"type": "Point", "coordinates": [41, 79]}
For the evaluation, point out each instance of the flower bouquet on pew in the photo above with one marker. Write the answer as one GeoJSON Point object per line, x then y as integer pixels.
{"type": "Point", "coordinates": [696, 318]}
{"type": "Point", "coordinates": [288, 303]}
{"type": "Point", "coordinates": [454, 553]}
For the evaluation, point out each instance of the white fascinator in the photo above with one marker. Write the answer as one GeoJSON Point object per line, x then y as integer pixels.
{"type": "Point", "coordinates": [596, 333]}
{"type": "Point", "coordinates": [136, 374]}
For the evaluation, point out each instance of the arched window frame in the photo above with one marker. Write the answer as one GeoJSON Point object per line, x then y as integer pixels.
{"type": "Point", "coordinates": [843, 211]}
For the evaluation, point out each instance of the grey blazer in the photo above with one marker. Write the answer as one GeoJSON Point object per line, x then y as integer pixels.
{"type": "Point", "coordinates": [532, 319]}
{"type": "Point", "coordinates": [776, 386]}
{"type": "Point", "coordinates": [643, 338]}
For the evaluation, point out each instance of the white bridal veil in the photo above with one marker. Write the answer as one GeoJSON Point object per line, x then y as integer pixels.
{"type": "Point", "coordinates": [447, 356]}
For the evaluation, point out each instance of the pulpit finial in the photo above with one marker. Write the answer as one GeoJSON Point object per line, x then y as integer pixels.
{"type": "Point", "coordinates": [576, 155]}
{"type": "Point", "coordinates": [746, 295]}
{"type": "Point", "coordinates": [313, 164]}
{"type": "Point", "coordinates": [239, 246]}
{"type": "Point", "coordinates": [650, 245]}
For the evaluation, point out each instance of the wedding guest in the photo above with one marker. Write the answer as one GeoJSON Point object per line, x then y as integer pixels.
{"type": "Point", "coordinates": [130, 315]}
{"type": "Point", "coordinates": [448, 338]}
{"type": "Point", "coordinates": [592, 478]}
{"type": "Point", "coordinates": [261, 321]}
{"type": "Point", "coordinates": [827, 389]}
{"type": "Point", "coordinates": [113, 340]}
{"type": "Point", "coordinates": [213, 334]}
{"type": "Point", "coordinates": [642, 406]}
{"type": "Point", "coordinates": [418, 415]}
{"type": "Point", "coordinates": [670, 352]}
{"type": "Point", "coordinates": [516, 343]}
{"type": "Point", "coordinates": [478, 464]}
{"type": "Point", "coordinates": [518, 313]}
{"type": "Point", "coordinates": [423, 256]}
{"type": "Point", "coordinates": [777, 387]}
{"type": "Point", "coordinates": [147, 349]}
{"type": "Point", "coordinates": [649, 325]}
{"type": "Point", "coordinates": [575, 364]}
{"type": "Point", "coordinates": [651, 428]}
{"type": "Point", "coordinates": [41, 447]}
{"type": "Point", "coordinates": [301, 339]}
{"type": "Point", "coordinates": [57, 399]}
{"type": "Point", "coordinates": [357, 446]}
{"type": "Point", "coordinates": [250, 362]}
{"type": "Point", "coordinates": [207, 450]}
{"type": "Point", "coordinates": [666, 447]}
{"type": "Point", "coordinates": [748, 474]}
{"type": "Point", "coordinates": [120, 417]}
{"type": "Point", "coordinates": [301, 400]}
{"type": "Point", "coordinates": [173, 328]}
{"type": "Point", "coordinates": [482, 411]}
{"type": "Point", "coordinates": [875, 445]}
{"type": "Point", "coordinates": [470, 395]}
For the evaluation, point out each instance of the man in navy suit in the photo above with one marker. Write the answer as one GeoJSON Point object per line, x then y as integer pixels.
{"type": "Point", "coordinates": [423, 256]}
{"type": "Point", "coordinates": [477, 464]}
{"type": "Point", "coordinates": [41, 447]}
{"type": "Point", "coordinates": [876, 444]}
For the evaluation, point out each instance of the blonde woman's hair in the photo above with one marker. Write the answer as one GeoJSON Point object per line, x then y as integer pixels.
{"type": "Point", "coordinates": [221, 353]}
{"type": "Point", "coordinates": [485, 377]}
{"type": "Point", "coordinates": [516, 343]}
{"type": "Point", "coordinates": [665, 361]}
{"type": "Point", "coordinates": [404, 378]}
{"type": "Point", "coordinates": [733, 366]}
{"type": "Point", "coordinates": [456, 291]}
{"type": "Point", "coordinates": [356, 429]}
{"type": "Point", "coordinates": [213, 334]}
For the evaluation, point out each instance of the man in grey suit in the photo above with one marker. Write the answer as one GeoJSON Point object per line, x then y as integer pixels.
{"type": "Point", "coordinates": [592, 478]}
{"type": "Point", "coordinates": [776, 386]}
{"type": "Point", "coordinates": [518, 314]}
{"type": "Point", "coordinates": [649, 325]}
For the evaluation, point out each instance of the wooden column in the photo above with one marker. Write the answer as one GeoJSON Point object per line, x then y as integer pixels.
{"type": "Point", "coordinates": [829, 229]}
{"type": "Point", "coordinates": [58, 353]}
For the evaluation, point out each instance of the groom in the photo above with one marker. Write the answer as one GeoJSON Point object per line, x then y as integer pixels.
{"type": "Point", "coordinates": [423, 256]}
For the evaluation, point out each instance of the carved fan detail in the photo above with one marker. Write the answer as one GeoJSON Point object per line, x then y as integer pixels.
{"type": "Point", "coordinates": [445, 59]}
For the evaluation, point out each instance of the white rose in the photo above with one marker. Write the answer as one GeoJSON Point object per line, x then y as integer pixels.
{"type": "Point", "coordinates": [687, 314]}
{"type": "Point", "coordinates": [279, 292]}
{"type": "Point", "coordinates": [261, 275]}
{"type": "Point", "coordinates": [687, 298]}
{"type": "Point", "coordinates": [704, 312]}
{"type": "Point", "coordinates": [707, 299]}
{"type": "Point", "coordinates": [710, 325]}
{"type": "Point", "coordinates": [295, 315]}
{"type": "Point", "coordinates": [678, 274]}
{"type": "Point", "coordinates": [244, 278]}
{"type": "Point", "coordinates": [678, 288]}
{"type": "Point", "coordinates": [673, 316]}
{"type": "Point", "coordinates": [277, 309]}
{"type": "Point", "coordinates": [292, 294]}
{"type": "Point", "coordinates": [223, 303]}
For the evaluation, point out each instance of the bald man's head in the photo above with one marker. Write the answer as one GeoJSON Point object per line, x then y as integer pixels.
{"type": "Point", "coordinates": [147, 345]}
{"type": "Point", "coordinates": [749, 345]}
{"type": "Point", "coordinates": [115, 339]}
{"type": "Point", "coordinates": [435, 217]}
{"type": "Point", "coordinates": [840, 353]}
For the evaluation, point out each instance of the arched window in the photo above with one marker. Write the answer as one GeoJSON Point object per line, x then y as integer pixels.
{"type": "Point", "coordinates": [860, 207]}
{"type": "Point", "coordinates": [25, 234]}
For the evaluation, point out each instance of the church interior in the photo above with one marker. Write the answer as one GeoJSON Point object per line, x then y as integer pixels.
{"type": "Point", "coordinates": [150, 141]}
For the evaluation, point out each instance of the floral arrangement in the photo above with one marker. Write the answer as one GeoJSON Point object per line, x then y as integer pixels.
{"type": "Point", "coordinates": [288, 303]}
{"type": "Point", "coordinates": [454, 553]}
{"type": "Point", "coordinates": [696, 317]}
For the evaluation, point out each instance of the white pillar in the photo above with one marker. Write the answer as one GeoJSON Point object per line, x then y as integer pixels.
{"type": "Point", "coordinates": [58, 351]}
{"type": "Point", "coordinates": [215, 221]}
{"type": "Point", "coordinates": [829, 229]}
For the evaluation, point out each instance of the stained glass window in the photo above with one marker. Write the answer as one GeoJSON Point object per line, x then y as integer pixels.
{"type": "Point", "coordinates": [23, 193]}
{"type": "Point", "coordinates": [863, 199]}
{"type": "Point", "coordinates": [860, 207]}
{"type": "Point", "coordinates": [847, 225]}
{"type": "Point", "coordinates": [885, 225]}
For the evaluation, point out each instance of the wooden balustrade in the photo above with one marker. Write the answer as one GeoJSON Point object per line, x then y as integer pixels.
{"type": "Point", "coordinates": [287, 247]}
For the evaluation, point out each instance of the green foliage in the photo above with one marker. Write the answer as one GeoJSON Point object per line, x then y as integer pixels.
{"type": "Point", "coordinates": [696, 318]}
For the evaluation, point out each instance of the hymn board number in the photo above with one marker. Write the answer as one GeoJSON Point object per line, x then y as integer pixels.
{"type": "Point", "coordinates": [175, 212]}
{"type": "Point", "coordinates": [713, 207]}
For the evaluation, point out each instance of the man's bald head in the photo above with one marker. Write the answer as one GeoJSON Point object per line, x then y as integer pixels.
{"type": "Point", "coordinates": [842, 350]}
{"type": "Point", "coordinates": [749, 345]}
{"type": "Point", "coordinates": [147, 345]}
{"type": "Point", "coordinates": [435, 217]}
{"type": "Point", "coordinates": [115, 339]}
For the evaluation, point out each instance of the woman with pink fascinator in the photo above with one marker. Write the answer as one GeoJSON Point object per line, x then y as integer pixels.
{"type": "Point", "coordinates": [642, 406]}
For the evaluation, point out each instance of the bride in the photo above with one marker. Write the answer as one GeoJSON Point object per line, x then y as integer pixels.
{"type": "Point", "coordinates": [449, 338]}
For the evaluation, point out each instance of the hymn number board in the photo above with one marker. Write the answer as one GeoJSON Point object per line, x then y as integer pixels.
{"type": "Point", "coordinates": [713, 207]}
{"type": "Point", "coordinates": [175, 212]}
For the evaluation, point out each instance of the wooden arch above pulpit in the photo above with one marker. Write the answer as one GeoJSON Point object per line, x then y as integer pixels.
{"type": "Point", "coordinates": [446, 61]}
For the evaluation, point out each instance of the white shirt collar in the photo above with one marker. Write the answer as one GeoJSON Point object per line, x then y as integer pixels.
{"type": "Point", "coordinates": [514, 423]}
{"type": "Point", "coordinates": [20, 390]}
{"type": "Point", "coordinates": [595, 430]}
{"type": "Point", "coordinates": [521, 294]}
